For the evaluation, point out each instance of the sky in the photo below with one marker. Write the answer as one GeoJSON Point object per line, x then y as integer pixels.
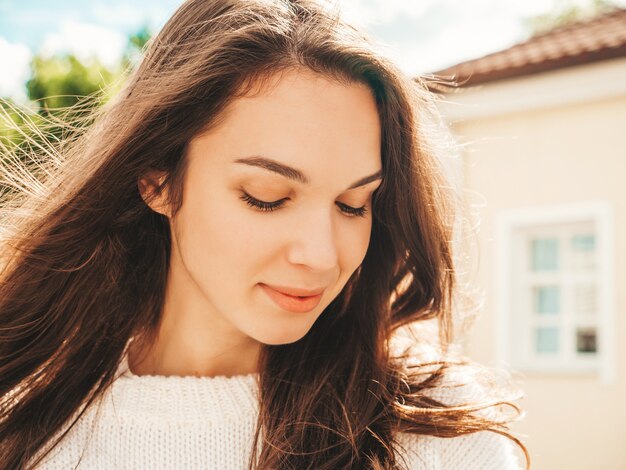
{"type": "Point", "coordinates": [420, 35]}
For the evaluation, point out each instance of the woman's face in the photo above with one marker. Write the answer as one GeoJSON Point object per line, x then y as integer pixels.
{"type": "Point", "coordinates": [303, 145]}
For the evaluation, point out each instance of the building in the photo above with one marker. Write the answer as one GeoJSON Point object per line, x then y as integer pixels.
{"type": "Point", "coordinates": [543, 127]}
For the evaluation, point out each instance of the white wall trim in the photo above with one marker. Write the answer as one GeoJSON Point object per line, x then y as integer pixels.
{"type": "Point", "coordinates": [505, 223]}
{"type": "Point", "coordinates": [606, 229]}
{"type": "Point", "coordinates": [574, 85]}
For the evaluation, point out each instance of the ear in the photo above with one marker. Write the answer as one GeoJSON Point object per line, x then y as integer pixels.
{"type": "Point", "coordinates": [153, 193]}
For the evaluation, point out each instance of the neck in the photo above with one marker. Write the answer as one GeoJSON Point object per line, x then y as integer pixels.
{"type": "Point", "coordinates": [173, 357]}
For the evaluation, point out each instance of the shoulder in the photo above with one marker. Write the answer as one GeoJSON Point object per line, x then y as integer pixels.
{"type": "Point", "coordinates": [481, 390]}
{"type": "Point", "coordinates": [483, 450]}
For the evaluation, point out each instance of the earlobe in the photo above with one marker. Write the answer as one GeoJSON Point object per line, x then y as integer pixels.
{"type": "Point", "coordinates": [154, 194]}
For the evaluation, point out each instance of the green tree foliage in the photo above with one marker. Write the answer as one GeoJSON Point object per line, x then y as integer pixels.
{"type": "Point", "coordinates": [565, 12]}
{"type": "Point", "coordinates": [138, 40]}
{"type": "Point", "coordinates": [61, 81]}
{"type": "Point", "coordinates": [8, 113]}
{"type": "Point", "coordinates": [63, 90]}
{"type": "Point", "coordinates": [63, 87]}
{"type": "Point", "coordinates": [134, 48]}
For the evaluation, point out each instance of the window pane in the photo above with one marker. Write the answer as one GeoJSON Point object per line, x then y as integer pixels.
{"type": "Point", "coordinates": [583, 251]}
{"type": "Point", "coordinates": [545, 254]}
{"type": "Point", "coordinates": [547, 299]}
{"type": "Point", "coordinates": [586, 340]}
{"type": "Point", "coordinates": [547, 340]}
{"type": "Point", "coordinates": [585, 242]}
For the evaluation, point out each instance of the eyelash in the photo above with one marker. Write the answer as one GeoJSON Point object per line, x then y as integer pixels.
{"type": "Point", "coordinates": [272, 206]}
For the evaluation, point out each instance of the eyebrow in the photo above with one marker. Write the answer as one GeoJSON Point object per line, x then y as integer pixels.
{"type": "Point", "coordinates": [295, 174]}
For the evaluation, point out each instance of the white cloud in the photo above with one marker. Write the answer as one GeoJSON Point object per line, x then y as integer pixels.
{"type": "Point", "coordinates": [423, 36]}
{"type": "Point", "coordinates": [459, 42]}
{"type": "Point", "coordinates": [129, 17]}
{"type": "Point", "coordinates": [86, 41]}
{"type": "Point", "coordinates": [118, 15]}
{"type": "Point", "coordinates": [15, 70]}
{"type": "Point", "coordinates": [366, 12]}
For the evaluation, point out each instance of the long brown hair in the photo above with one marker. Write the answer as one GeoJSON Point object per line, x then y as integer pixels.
{"type": "Point", "coordinates": [85, 261]}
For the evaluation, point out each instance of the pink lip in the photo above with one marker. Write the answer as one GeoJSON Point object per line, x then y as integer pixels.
{"type": "Point", "coordinates": [297, 302]}
{"type": "Point", "coordinates": [295, 291]}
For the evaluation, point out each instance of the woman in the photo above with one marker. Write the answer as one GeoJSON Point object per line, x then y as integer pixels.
{"type": "Point", "coordinates": [214, 275]}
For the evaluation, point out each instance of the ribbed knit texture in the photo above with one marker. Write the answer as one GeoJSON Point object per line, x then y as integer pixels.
{"type": "Point", "coordinates": [167, 423]}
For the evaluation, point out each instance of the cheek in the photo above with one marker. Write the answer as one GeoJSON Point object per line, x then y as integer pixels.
{"type": "Point", "coordinates": [353, 243]}
{"type": "Point", "coordinates": [221, 241]}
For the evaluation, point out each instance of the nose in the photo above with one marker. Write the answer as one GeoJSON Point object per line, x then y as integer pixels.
{"type": "Point", "coordinates": [314, 241]}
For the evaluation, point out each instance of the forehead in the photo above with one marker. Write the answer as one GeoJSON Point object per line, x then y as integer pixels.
{"type": "Point", "coordinates": [305, 120]}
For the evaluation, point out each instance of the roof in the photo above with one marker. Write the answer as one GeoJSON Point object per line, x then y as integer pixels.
{"type": "Point", "coordinates": [600, 38]}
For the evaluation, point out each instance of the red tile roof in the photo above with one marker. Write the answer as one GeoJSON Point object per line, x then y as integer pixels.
{"type": "Point", "coordinates": [599, 38]}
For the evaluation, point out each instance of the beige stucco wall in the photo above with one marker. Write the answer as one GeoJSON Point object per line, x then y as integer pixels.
{"type": "Point", "coordinates": [572, 152]}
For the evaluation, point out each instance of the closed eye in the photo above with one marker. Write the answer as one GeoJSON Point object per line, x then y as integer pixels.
{"type": "Point", "coordinates": [264, 206]}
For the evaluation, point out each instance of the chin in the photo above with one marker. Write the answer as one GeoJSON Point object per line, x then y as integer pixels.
{"type": "Point", "coordinates": [278, 336]}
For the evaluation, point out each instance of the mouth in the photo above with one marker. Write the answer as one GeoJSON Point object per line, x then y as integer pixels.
{"type": "Point", "coordinates": [290, 301]}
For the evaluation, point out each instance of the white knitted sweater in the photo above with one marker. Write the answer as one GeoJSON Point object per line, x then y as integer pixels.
{"type": "Point", "coordinates": [167, 423]}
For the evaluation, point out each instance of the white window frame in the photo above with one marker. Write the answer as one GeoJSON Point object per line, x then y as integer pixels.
{"type": "Point", "coordinates": [507, 224]}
